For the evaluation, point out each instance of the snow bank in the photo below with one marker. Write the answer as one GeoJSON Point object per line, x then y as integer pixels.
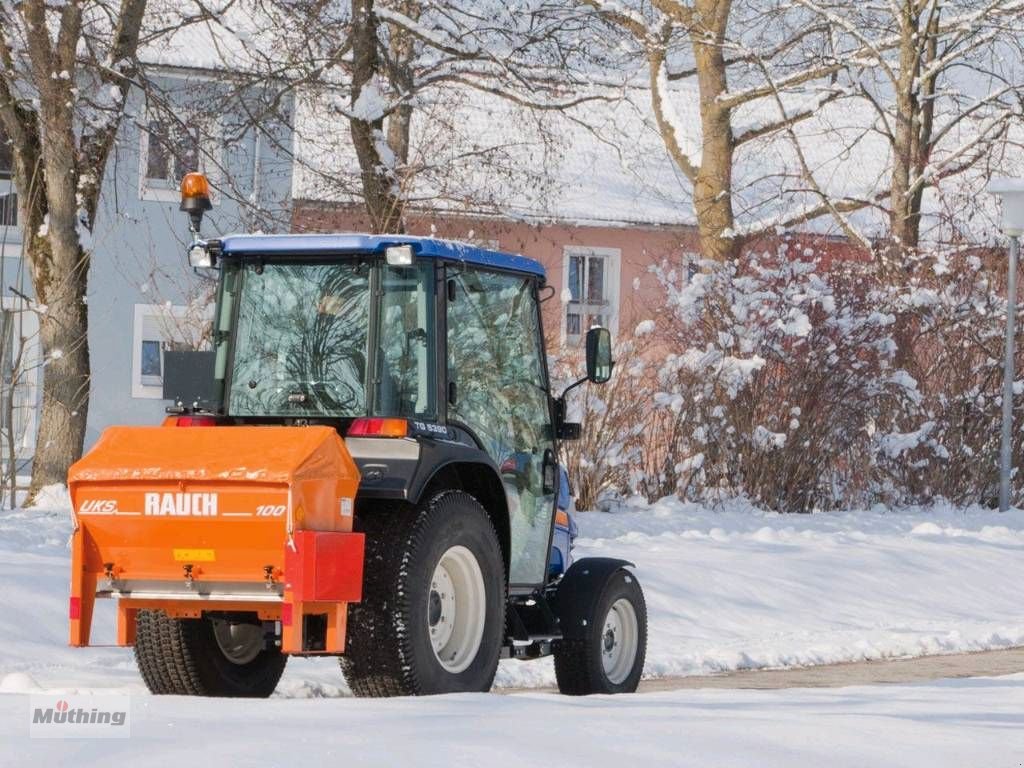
{"type": "Point", "coordinates": [727, 589]}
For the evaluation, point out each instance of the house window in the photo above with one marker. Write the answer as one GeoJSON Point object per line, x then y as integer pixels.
{"type": "Point", "coordinates": [170, 148]}
{"type": "Point", "coordinates": [8, 199]}
{"type": "Point", "coordinates": [173, 152]}
{"type": "Point", "coordinates": [151, 367]}
{"type": "Point", "coordinates": [591, 293]}
{"type": "Point", "coordinates": [158, 328]}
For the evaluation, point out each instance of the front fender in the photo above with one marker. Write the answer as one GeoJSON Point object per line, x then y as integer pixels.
{"type": "Point", "coordinates": [579, 590]}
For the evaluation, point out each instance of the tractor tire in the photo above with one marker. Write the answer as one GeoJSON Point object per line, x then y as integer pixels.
{"type": "Point", "coordinates": [432, 617]}
{"type": "Point", "coordinates": [205, 657]}
{"type": "Point", "coordinates": [609, 657]}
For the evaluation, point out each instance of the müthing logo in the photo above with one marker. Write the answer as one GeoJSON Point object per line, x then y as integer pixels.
{"type": "Point", "coordinates": [81, 717]}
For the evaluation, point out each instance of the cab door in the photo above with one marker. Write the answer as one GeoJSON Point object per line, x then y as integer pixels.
{"type": "Point", "coordinates": [496, 363]}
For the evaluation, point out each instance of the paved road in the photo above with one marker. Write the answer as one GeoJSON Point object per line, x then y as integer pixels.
{"type": "Point", "coordinates": [982, 664]}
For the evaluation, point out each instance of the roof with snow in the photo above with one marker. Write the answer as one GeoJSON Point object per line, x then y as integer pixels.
{"type": "Point", "coordinates": [600, 162]}
{"type": "Point", "coordinates": [351, 244]}
{"type": "Point", "coordinates": [221, 35]}
{"type": "Point", "coordinates": [475, 153]}
{"type": "Point", "coordinates": [604, 162]}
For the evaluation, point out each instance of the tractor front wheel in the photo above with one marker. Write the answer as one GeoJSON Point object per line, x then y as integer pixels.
{"type": "Point", "coordinates": [606, 654]}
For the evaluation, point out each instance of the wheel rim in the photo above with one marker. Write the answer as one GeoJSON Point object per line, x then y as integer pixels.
{"type": "Point", "coordinates": [456, 609]}
{"type": "Point", "coordinates": [240, 643]}
{"type": "Point", "coordinates": [619, 640]}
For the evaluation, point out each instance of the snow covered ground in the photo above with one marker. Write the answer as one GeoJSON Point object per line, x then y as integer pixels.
{"type": "Point", "coordinates": [726, 589]}
{"type": "Point", "coordinates": [953, 723]}
{"type": "Point", "coordinates": [742, 589]}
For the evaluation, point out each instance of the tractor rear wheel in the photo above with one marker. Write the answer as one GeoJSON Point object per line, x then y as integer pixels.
{"type": "Point", "coordinates": [432, 616]}
{"type": "Point", "coordinates": [205, 657]}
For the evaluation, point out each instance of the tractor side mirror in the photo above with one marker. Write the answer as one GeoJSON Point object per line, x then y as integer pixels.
{"type": "Point", "coordinates": [599, 370]}
{"type": "Point", "coordinates": [599, 355]}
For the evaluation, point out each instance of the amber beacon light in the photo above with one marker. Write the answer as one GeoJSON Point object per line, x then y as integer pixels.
{"type": "Point", "coordinates": [195, 198]}
{"type": "Point", "coordinates": [195, 201]}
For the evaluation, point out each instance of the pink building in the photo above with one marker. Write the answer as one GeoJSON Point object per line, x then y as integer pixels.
{"type": "Point", "coordinates": [592, 195]}
{"type": "Point", "coordinates": [606, 268]}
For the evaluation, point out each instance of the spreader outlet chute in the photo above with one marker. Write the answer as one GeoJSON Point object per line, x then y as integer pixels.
{"type": "Point", "coordinates": [246, 519]}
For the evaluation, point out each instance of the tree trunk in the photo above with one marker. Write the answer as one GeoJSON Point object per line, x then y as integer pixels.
{"type": "Point", "coordinates": [376, 159]}
{"type": "Point", "coordinates": [63, 332]}
{"type": "Point", "coordinates": [60, 278]}
{"type": "Point", "coordinates": [903, 221]}
{"type": "Point", "coordinates": [711, 175]}
{"type": "Point", "coordinates": [712, 187]}
{"type": "Point", "coordinates": [911, 141]}
{"type": "Point", "coordinates": [402, 50]}
{"type": "Point", "coordinates": [60, 274]}
{"type": "Point", "coordinates": [911, 148]}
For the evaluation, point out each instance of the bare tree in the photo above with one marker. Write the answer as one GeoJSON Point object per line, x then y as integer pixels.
{"type": "Point", "coordinates": [737, 53]}
{"type": "Point", "coordinates": [64, 72]}
{"type": "Point", "coordinates": [943, 78]}
{"type": "Point", "coordinates": [395, 58]}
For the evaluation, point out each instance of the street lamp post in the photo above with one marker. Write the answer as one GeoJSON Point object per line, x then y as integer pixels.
{"type": "Point", "coordinates": [1011, 193]}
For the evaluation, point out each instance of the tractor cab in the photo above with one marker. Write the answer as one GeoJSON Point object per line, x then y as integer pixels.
{"type": "Point", "coordinates": [424, 354]}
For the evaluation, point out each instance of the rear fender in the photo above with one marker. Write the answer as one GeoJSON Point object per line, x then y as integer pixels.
{"type": "Point", "coordinates": [480, 479]}
{"type": "Point", "coordinates": [414, 470]}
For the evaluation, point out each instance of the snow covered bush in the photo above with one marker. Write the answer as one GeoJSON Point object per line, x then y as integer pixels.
{"type": "Point", "coordinates": [776, 377]}
{"type": "Point", "coordinates": [803, 388]}
{"type": "Point", "coordinates": [952, 312]}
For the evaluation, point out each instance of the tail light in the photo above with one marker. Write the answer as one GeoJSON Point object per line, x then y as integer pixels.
{"type": "Point", "coordinates": [75, 608]}
{"type": "Point", "coordinates": [196, 421]}
{"type": "Point", "coordinates": [376, 427]}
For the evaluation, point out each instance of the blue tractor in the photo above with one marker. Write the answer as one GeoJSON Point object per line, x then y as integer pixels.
{"type": "Point", "coordinates": [427, 358]}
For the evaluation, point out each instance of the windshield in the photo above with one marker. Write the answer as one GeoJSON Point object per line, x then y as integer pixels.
{"type": "Point", "coordinates": [304, 341]}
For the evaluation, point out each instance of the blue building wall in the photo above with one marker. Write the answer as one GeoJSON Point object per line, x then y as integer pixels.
{"type": "Point", "coordinates": [138, 246]}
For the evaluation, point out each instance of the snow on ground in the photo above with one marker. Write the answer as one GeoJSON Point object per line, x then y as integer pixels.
{"type": "Point", "coordinates": [739, 588]}
{"type": "Point", "coordinates": [951, 723]}
{"type": "Point", "coordinates": [726, 589]}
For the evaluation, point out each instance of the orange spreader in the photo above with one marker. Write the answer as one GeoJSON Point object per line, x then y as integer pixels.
{"type": "Point", "coordinates": [189, 520]}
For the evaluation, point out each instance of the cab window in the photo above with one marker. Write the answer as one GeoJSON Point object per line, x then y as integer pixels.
{"type": "Point", "coordinates": [495, 360]}
{"type": "Point", "coordinates": [405, 374]}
